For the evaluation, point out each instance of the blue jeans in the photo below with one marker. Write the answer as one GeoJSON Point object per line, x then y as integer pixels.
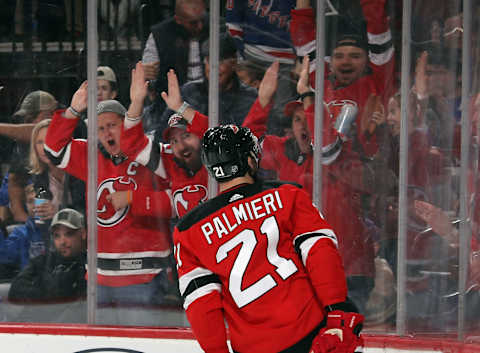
{"type": "Point", "coordinates": [149, 293]}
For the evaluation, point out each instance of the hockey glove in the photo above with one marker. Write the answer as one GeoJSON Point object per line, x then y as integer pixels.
{"type": "Point", "coordinates": [341, 334]}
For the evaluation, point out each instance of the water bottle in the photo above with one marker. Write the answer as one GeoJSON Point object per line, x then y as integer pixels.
{"type": "Point", "coordinates": [42, 195]}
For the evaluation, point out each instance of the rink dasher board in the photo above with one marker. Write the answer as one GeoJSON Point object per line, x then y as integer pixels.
{"type": "Point", "coordinates": [40, 343]}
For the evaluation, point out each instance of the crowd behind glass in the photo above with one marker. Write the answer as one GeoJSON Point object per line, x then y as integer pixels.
{"type": "Point", "coordinates": [267, 68]}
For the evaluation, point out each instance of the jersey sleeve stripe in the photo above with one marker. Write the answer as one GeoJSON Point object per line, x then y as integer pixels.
{"type": "Point", "coordinates": [200, 292]}
{"type": "Point", "coordinates": [155, 162]}
{"type": "Point", "coordinates": [150, 157]}
{"type": "Point", "coordinates": [197, 283]}
{"type": "Point", "coordinates": [133, 255]}
{"type": "Point", "coordinates": [304, 242]}
{"type": "Point", "coordinates": [331, 151]}
{"type": "Point", "coordinates": [60, 158]}
{"type": "Point", "coordinates": [381, 58]}
{"type": "Point", "coordinates": [306, 49]}
{"type": "Point", "coordinates": [145, 155]}
{"type": "Point", "coordinates": [379, 39]}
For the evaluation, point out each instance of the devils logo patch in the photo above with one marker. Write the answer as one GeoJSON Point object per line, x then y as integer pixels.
{"type": "Point", "coordinates": [106, 214]}
{"type": "Point", "coordinates": [187, 198]}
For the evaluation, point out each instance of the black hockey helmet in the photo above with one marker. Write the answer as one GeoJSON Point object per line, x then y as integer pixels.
{"type": "Point", "coordinates": [225, 151]}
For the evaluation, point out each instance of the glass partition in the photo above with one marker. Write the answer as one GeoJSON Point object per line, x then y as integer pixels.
{"type": "Point", "coordinates": [248, 63]}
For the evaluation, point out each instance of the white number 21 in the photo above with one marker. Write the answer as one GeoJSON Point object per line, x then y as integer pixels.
{"type": "Point", "coordinates": [284, 267]}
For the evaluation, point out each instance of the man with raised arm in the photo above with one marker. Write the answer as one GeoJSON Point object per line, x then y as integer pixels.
{"type": "Point", "coordinates": [179, 160]}
{"type": "Point", "coordinates": [132, 215]}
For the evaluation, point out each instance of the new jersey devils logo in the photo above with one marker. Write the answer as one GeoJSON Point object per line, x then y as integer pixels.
{"type": "Point", "coordinates": [106, 214]}
{"type": "Point", "coordinates": [187, 198]}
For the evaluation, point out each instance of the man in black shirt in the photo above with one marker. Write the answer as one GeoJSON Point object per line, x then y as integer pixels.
{"type": "Point", "coordinates": [60, 273]}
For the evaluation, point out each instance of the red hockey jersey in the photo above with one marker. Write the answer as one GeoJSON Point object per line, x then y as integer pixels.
{"type": "Point", "coordinates": [188, 188]}
{"type": "Point", "coordinates": [379, 81]}
{"type": "Point", "coordinates": [261, 257]}
{"type": "Point", "coordinates": [133, 242]}
{"type": "Point", "coordinates": [340, 191]}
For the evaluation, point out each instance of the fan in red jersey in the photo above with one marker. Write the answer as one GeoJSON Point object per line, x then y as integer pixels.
{"type": "Point", "coordinates": [133, 213]}
{"type": "Point", "coordinates": [261, 257]}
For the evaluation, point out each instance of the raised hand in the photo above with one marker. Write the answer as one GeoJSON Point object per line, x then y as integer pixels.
{"type": "Point", "coordinates": [173, 98]}
{"type": "Point", "coordinates": [151, 70]}
{"type": "Point", "coordinates": [434, 217]}
{"type": "Point", "coordinates": [303, 84]}
{"type": "Point", "coordinates": [138, 86]}
{"type": "Point", "coordinates": [80, 98]}
{"type": "Point", "coordinates": [421, 76]}
{"type": "Point", "coordinates": [269, 84]}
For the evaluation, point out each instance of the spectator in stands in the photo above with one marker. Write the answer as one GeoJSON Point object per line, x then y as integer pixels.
{"type": "Point", "coordinates": [235, 99]}
{"type": "Point", "coordinates": [361, 64]}
{"type": "Point", "coordinates": [439, 102]}
{"type": "Point", "coordinates": [179, 161]}
{"type": "Point", "coordinates": [134, 242]}
{"type": "Point", "coordinates": [261, 31]}
{"type": "Point", "coordinates": [66, 190]}
{"type": "Point", "coordinates": [25, 241]}
{"type": "Point", "coordinates": [292, 159]}
{"type": "Point", "coordinates": [58, 274]}
{"type": "Point", "coordinates": [35, 107]}
{"type": "Point", "coordinates": [249, 73]}
{"type": "Point", "coordinates": [106, 83]}
{"type": "Point", "coordinates": [174, 43]}
{"type": "Point", "coordinates": [262, 36]}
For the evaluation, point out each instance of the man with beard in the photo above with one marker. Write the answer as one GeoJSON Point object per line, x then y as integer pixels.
{"type": "Point", "coordinates": [184, 132]}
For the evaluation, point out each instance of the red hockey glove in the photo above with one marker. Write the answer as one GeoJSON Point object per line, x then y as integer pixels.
{"type": "Point", "coordinates": [341, 334]}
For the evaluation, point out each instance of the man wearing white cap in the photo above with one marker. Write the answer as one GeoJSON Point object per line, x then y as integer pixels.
{"type": "Point", "coordinates": [106, 83]}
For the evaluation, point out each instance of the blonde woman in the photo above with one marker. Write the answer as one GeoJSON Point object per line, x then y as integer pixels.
{"type": "Point", "coordinates": [66, 191]}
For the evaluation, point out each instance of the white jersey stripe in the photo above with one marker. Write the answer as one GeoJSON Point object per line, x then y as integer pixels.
{"type": "Point", "coordinates": [190, 276]}
{"type": "Point", "coordinates": [200, 292]}
{"type": "Point", "coordinates": [382, 58]}
{"type": "Point", "coordinates": [144, 156]}
{"type": "Point", "coordinates": [117, 273]}
{"type": "Point", "coordinates": [133, 255]}
{"type": "Point", "coordinates": [379, 39]}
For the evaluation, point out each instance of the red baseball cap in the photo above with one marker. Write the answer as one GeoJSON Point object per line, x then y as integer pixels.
{"type": "Point", "coordinates": [176, 121]}
{"type": "Point", "coordinates": [290, 107]}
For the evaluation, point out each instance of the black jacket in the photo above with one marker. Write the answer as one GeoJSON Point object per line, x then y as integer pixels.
{"type": "Point", "coordinates": [173, 45]}
{"type": "Point", "coordinates": [50, 277]}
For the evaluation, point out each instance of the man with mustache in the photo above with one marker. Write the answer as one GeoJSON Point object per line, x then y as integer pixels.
{"type": "Point", "coordinates": [184, 132]}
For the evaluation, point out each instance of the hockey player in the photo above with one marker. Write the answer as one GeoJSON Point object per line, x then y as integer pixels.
{"type": "Point", "coordinates": [133, 237]}
{"type": "Point", "coordinates": [261, 257]}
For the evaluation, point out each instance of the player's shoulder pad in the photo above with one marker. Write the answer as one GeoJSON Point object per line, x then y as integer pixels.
{"type": "Point", "coordinates": [205, 209]}
{"type": "Point", "coordinates": [272, 184]}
